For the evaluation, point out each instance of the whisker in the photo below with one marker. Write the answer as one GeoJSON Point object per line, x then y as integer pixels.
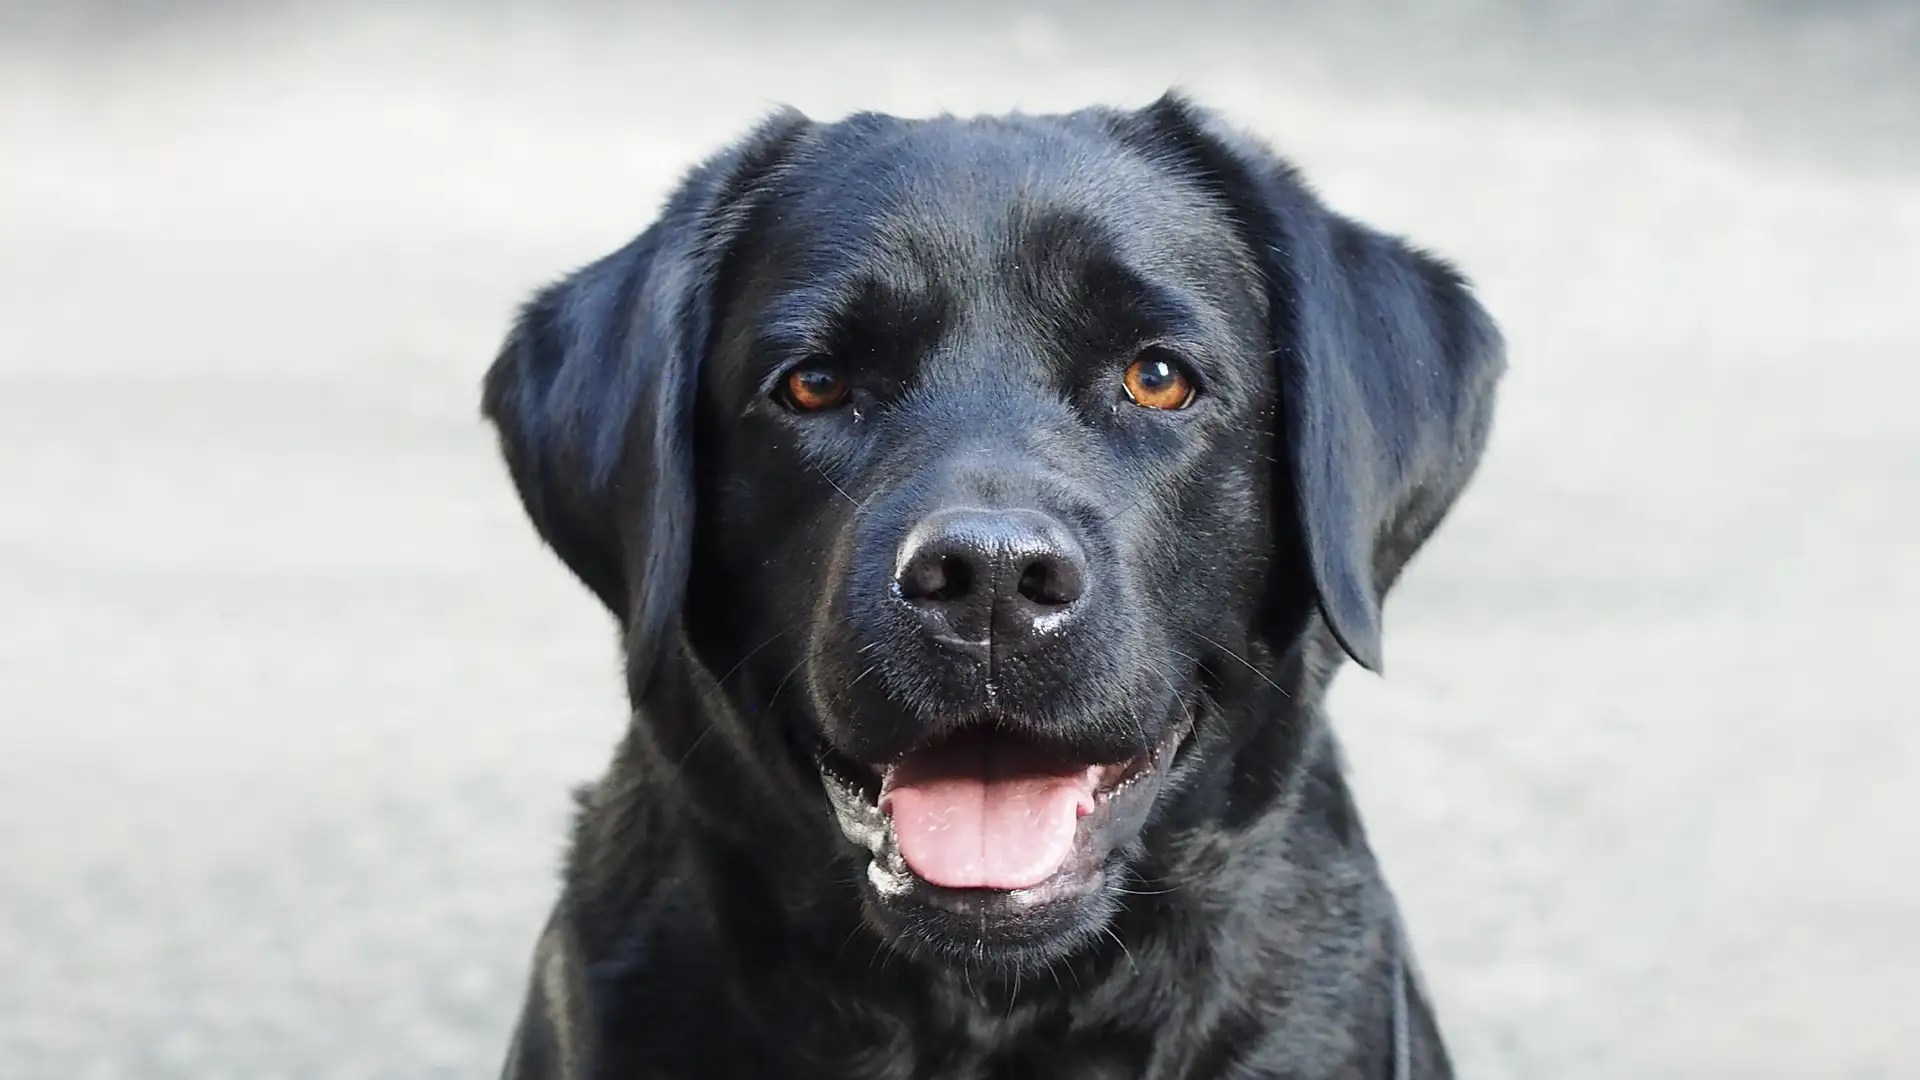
{"type": "Point", "coordinates": [1140, 878]}
{"type": "Point", "coordinates": [783, 682]}
{"type": "Point", "coordinates": [1108, 930]}
{"type": "Point", "coordinates": [705, 730]}
{"type": "Point", "coordinates": [742, 662]}
{"type": "Point", "coordinates": [838, 488]}
{"type": "Point", "coordinates": [721, 682]}
{"type": "Point", "coordinates": [1143, 879]}
{"type": "Point", "coordinates": [1152, 487]}
{"type": "Point", "coordinates": [849, 940]}
{"type": "Point", "coordinates": [1243, 661]}
{"type": "Point", "coordinates": [1185, 710]}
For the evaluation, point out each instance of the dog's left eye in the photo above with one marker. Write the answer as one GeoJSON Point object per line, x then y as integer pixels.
{"type": "Point", "coordinates": [1157, 380]}
{"type": "Point", "coordinates": [813, 387]}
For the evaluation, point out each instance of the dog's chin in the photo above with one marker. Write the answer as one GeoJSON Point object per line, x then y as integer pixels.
{"type": "Point", "coordinates": [995, 911]}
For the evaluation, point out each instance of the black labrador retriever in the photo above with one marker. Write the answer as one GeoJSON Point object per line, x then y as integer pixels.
{"type": "Point", "coordinates": [986, 505]}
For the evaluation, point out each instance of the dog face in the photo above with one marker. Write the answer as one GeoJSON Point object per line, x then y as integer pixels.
{"type": "Point", "coordinates": [978, 463]}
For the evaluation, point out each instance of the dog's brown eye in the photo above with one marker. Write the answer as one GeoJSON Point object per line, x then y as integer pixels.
{"type": "Point", "coordinates": [1155, 381]}
{"type": "Point", "coordinates": [813, 387]}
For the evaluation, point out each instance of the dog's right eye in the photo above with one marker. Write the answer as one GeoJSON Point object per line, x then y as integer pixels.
{"type": "Point", "coordinates": [814, 386]}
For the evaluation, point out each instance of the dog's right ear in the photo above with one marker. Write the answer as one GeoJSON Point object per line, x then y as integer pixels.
{"type": "Point", "coordinates": [593, 392]}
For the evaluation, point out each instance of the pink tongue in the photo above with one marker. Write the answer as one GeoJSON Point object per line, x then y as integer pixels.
{"type": "Point", "coordinates": [986, 813]}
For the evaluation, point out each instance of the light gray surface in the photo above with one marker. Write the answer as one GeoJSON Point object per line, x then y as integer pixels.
{"type": "Point", "coordinates": [290, 698]}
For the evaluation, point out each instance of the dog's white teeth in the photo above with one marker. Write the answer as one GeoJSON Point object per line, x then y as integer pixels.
{"type": "Point", "coordinates": [888, 879]}
{"type": "Point", "coordinates": [860, 820]}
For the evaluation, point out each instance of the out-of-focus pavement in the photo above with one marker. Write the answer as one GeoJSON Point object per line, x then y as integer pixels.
{"type": "Point", "coordinates": [290, 698]}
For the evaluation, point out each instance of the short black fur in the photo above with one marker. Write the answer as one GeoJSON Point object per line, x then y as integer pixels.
{"type": "Point", "coordinates": [980, 285]}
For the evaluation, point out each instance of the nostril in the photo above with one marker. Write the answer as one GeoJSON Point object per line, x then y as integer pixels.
{"type": "Point", "coordinates": [933, 578]}
{"type": "Point", "coordinates": [956, 579]}
{"type": "Point", "coordinates": [1051, 581]}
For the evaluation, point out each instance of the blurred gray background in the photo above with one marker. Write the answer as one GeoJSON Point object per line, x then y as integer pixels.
{"type": "Point", "coordinates": [291, 698]}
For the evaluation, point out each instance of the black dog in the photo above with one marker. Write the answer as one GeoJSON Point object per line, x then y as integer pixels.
{"type": "Point", "coordinates": [986, 505]}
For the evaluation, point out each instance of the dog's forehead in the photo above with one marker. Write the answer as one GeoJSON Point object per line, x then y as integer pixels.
{"type": "Point", "coordinates": [926, 201]}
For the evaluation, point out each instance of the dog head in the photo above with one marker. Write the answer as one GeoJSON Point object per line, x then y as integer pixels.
{"type": "Point", "coordinates": [989, 473]}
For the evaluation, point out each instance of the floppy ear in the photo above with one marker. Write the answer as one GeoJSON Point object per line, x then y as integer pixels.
{"type": "Point", "coordinates": [1386, 362]}
{"type": "Point", "coordinates": [592, 394]}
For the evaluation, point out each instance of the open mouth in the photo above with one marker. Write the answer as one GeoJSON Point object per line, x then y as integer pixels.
{"type": "Point", "coordinates": [988, 819]}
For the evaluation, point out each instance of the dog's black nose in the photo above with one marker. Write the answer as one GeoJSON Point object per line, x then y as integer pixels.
{"type": "Point", "coordinates": [1004, 579]}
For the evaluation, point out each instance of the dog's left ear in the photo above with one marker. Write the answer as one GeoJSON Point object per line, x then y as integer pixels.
{"type": "Point", "coordinates": [593, 393]}
{"type": "Point", "coordinates": [1386, 364]}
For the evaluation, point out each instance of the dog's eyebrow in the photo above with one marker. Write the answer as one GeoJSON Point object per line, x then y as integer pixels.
{"type": "Point", "coordinates": [1107, 309]}
{"type": "Point", "coordinates": [798, 321]}
{"type": "Point", "coordinates": [853, 317]}
{"type": "Point", "coordinates": [1121, 294]}
{"type": "Point", "coordinates": [1080, 273]}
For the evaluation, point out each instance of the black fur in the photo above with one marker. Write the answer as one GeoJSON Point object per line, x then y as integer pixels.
{"type": "Point", "coordinates": [984, 282]}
